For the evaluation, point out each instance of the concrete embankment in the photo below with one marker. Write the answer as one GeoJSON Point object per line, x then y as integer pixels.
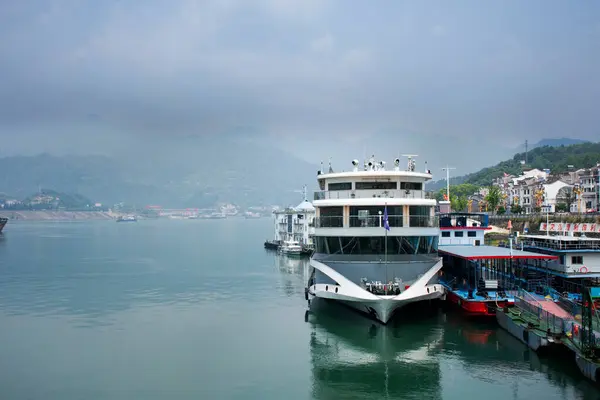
{"type": "Point", "coordinates": [57, 215]}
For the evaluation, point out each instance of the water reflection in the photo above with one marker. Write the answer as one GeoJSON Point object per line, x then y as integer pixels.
{"type": "Point", "coordinates": [355, 358]}
{"type": "Point", "coordinates": [491, 355]}
{"type": "Point", "coordinates": [291, 271]}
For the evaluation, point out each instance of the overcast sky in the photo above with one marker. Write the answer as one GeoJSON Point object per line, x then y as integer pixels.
{"type": "Point", "coordinates": [322, 78]}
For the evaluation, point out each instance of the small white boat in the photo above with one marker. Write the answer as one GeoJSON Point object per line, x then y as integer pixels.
{"type": "Point", "coordinates": [291, 248]}
{"type": "Point", "coordinates": [127, 218]}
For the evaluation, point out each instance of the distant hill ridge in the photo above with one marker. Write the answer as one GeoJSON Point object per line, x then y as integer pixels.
{"type": "Point", "coordinates": [192, 172]}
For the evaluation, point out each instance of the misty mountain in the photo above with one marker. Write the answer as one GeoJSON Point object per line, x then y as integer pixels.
{"type": "Point", "coordinates": [191, 171]}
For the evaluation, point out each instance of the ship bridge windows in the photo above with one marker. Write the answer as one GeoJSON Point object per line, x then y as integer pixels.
{"type": "Point", "coordinates": [376, 185]}
{"type": "Point", "coordinates": [364, 245]}
{"type": "Point", "coordinates": [411, 185]}
{"type": "Point", "coordinates": [340, 186]}
{"type": "Point", "coordinates": [369, 216]}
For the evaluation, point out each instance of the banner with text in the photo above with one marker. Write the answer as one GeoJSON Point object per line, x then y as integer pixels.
{"type": "Point", "coordinates": [570, 227]}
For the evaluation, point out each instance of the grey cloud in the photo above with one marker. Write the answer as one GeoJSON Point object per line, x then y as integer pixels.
{"type": "Point", "coordinates": [396, 73]}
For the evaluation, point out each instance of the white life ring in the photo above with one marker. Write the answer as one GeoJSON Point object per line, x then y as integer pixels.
{"type": "Point", "coordinates": [583, 270]}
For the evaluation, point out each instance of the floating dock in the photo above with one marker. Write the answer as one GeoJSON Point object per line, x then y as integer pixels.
{"type": "Point", "coordinates": [481, 279]}
{"type": "Point", "coordinates": [545, 324]}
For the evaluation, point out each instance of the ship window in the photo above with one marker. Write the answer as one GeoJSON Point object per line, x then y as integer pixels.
{"type": "Point", "coordinates": [322, 184]}
{"type": "Point", "coordinates": [576, 259]}
{"type": "Point", "coordinates": [458, 234]}
{"type": "Point", "coordinates": [376, 185]}
{"type": "Point", "coordinates": [368, 216]}
{"type": "Point", "coordinates": [471, 234]}
{"type": "Point", "coordinates": [340, 186]}
{"type": "Point", "coordinates": [446, 234]}
{"type": "Point", "coordinates": [331, 217]}
{"type": "Point", "coordinates": [420, 216]}
{"type": "Point", "coordinates": [396, 245]}
{"type": "Point", "coordinates": [411, 185]}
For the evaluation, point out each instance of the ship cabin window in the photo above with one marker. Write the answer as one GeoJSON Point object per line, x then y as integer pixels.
{"type": "Point", "coordinates": [411, 185]}
{"type": "Point", "coordinates": [368, 216]}
{"type": "Point", "coordinates": [458, 234]}
{"type": "Point", "coordinates": [420, 216]}
{"type": "Point", "coordinates": [471, 234]}
{"type": "Point", "coordinates": [340, 186]}
{"type": "Point", "coordinates": [321, 184]}
{"type": "Point", "coordinates": [376, 185]}
{"type": "Point", "coordinates": [376, 245]}
{"type": "Point", "coordinates": [331, 217]}
{"type": "Point", "coordinates": [577, 260]}
{"type": "Point", "coordinates": [445, 234]}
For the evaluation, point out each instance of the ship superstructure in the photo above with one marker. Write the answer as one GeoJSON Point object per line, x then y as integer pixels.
{"type": "Point", "coordinates": [376, 238]}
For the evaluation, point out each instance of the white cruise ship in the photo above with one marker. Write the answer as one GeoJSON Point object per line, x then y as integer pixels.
{"type": "Point", "coordinates": [376, 239]}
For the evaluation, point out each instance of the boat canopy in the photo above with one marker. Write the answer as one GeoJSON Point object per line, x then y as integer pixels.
{"type": "Point", "coordinates": [491, 253]}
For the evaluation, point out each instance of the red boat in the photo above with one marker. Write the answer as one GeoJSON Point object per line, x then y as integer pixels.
{"type": "Point", "coordinates": [477, 278]}
{"type": "Point", "coordinates": [478, 305]}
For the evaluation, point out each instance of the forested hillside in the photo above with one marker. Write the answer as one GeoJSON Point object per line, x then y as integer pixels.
{"type": "Point", "coordinates": [557, 159]}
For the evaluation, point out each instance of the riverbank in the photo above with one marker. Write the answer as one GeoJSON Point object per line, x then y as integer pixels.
{"type": "Point", "coordinates": [26, 215]}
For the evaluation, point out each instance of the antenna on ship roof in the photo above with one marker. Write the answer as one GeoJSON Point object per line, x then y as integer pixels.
{"type": "Point", "coordinates": [411, 163]}
{"type": "Point", "coordinates": [330, 169]}
{"type": "Point", "coordinates": [304, 193]}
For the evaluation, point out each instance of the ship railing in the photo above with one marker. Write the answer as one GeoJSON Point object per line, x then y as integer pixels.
{"type": "Point", "coordinates": [329, 222]}
{"type": "Point", "coordinates": [563, 245]}
{"type": "Point", "coordinates": [377, 221]}
{"type": "Point", "coordinates": [423, 221]}
{"type": "Point", "coordinates": [366, 194]}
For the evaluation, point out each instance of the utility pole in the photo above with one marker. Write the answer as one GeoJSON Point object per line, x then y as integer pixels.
{"type": "Point", "coordinates": [526, 151]}
{"type": "Point", "coordinates": [447, 169]}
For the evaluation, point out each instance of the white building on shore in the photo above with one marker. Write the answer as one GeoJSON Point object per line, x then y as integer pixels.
{"type": "Point", "coordinates": [295, 223]}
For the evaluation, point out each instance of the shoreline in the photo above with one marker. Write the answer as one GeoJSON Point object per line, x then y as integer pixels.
{"type": "Point", "coordinates": [28, 215]}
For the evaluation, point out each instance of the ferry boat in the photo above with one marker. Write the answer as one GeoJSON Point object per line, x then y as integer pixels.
{"type": "Point", "coordinates": [3, 222]}
{"type": "Point", "coordinates": [290, 248]}
{"type": "Point", "coordinates": [478, 279]}
{"type": "Point", "coordinates": [576, 264]}
{"type": "Point", "coordinates": [376, 237]}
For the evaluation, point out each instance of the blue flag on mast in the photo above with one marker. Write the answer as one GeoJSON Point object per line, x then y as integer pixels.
{"type": "Point", "coordinates": [386, 223]}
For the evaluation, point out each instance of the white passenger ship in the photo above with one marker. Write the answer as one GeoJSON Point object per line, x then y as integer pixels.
{"type": "Point", "coordinates": [376, 238]}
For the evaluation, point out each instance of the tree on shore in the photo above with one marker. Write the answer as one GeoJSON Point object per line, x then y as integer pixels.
{"type": "Point", "coordinates": [493, 198]}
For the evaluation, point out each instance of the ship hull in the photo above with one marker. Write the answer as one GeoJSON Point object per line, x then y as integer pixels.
{"type": "Point", "coordinates": [378, 306]}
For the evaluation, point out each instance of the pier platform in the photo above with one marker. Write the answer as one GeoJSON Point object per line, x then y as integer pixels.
{"type": "Point", "coordinates": [479, 279]}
